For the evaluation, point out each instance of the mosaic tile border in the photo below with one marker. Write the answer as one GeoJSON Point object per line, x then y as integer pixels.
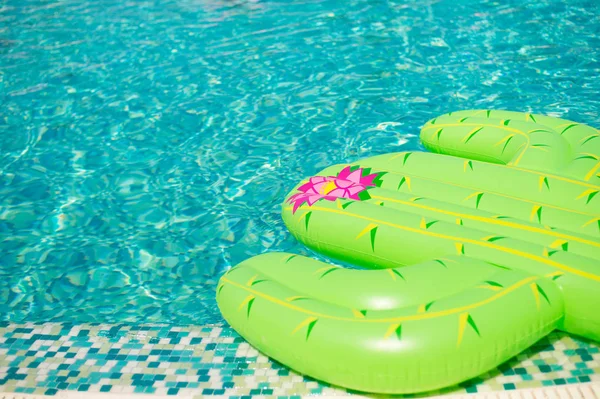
{"type": "Point", "coordinates": [213, 361]}
{"type": "Point", "coordinates": [573, 391]}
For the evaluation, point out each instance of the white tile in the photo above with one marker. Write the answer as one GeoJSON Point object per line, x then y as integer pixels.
{"type": "Point", "coordinates": [128, 389]}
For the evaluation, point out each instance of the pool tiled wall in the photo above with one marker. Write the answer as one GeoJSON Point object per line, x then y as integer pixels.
{"type": "Point", "coordinates": [215, 361]}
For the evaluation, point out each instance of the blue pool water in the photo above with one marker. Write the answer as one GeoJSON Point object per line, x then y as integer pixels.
{"type": "Point", "coordinates": [145, 146]}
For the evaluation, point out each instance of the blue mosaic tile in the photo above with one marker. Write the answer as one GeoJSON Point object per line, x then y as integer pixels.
{"type": "Point", "coordinates": [136, 363]}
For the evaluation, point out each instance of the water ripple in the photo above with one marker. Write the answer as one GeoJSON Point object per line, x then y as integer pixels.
{"type": "Point", "coordinates": [145, 146]}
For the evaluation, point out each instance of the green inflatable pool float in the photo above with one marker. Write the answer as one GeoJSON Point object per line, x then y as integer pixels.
{"type": "Point", "coordinates": [480, 249]}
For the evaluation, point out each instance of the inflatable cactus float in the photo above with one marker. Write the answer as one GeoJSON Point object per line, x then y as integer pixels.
{"type": "Point", "coordinates": [480, 249]}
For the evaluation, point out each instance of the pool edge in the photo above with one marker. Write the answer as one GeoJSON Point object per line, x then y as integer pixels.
{"type": "Point", "coordinates": [575, 391]}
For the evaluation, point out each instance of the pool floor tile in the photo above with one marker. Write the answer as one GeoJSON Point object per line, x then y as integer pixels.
{"type": "Point", "coordinates": [217, 362]}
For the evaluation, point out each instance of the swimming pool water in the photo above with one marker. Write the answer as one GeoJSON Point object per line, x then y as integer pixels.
{"type": "Point", "coordinates": [145, 146]}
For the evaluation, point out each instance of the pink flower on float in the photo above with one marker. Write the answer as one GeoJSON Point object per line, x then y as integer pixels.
{"type": "Point", "coordinates": [347, 184]}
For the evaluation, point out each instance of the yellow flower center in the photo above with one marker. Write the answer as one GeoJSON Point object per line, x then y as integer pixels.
{"type": "Point", "coordinates": [327, 188]}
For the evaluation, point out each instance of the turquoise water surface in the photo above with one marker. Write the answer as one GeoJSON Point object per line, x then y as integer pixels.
{"type": "Point", "coordinates": [146, 146]}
